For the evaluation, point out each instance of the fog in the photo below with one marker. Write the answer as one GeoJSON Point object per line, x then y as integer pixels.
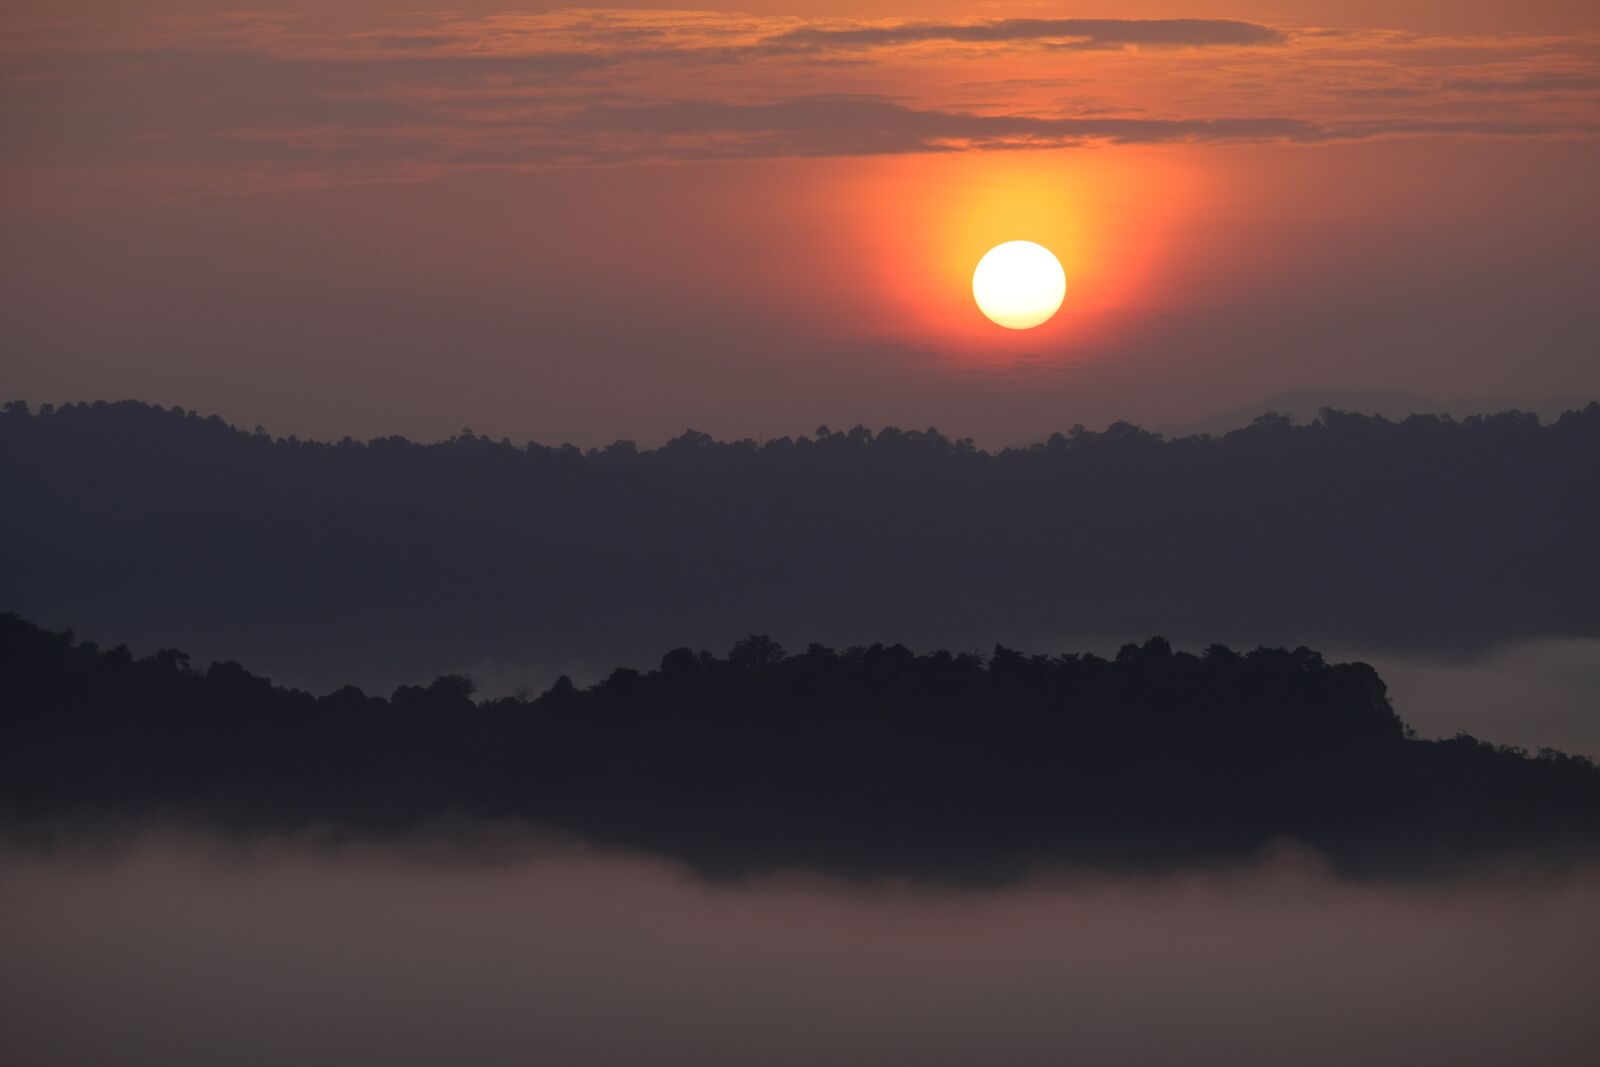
{"type": "Point", "coordinates": [183, 950]}
{"type": "Point", "coordinates": [1535, 694]}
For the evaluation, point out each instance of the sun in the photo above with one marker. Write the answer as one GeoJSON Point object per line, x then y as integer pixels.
{"type": "Point", "coordinates": [1019, 284]}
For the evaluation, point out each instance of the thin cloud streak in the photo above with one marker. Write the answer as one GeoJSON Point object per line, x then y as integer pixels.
{"type": "Point", "coordinates": [844, 125]}
{"type": "Point", "coordinates": [1085, 33]}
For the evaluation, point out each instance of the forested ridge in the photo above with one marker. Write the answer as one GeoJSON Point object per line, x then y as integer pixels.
{"type": "Point", "coordinates": [323, 562]}
{"type": "Point", "coordinates": [869, 761]}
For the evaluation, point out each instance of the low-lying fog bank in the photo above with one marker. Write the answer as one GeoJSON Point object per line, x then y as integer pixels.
{"type": "Point", "coordinates": [179, 949]}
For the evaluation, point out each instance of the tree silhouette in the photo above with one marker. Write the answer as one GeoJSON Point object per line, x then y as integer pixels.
{"type": "Point", "coordinates": [870, 761]}
{"type": "Point", "coordinates": [326, 562]}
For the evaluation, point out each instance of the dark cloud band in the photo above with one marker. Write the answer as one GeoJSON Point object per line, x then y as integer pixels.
{"type": "Point", "coordinates": [867, 125]}
{"type": "Point", "coordinates": [1082, 32]}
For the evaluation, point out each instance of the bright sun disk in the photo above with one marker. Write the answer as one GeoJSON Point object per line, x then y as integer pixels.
{"type": "Point", "coordinates": [1019, 284]}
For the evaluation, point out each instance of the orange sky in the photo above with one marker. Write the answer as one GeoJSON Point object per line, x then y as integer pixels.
{"type": "Point", "coordinates": [601, 223]}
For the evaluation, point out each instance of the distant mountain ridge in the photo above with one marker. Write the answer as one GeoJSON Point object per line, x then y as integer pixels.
{"type": "Point", "coordinates": [1304, 405]}
{"type": "Point", "coordinates": [330, 561]}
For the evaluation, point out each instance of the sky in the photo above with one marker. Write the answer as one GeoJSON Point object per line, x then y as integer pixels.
{"type": "Point", "coordinates": [581, 225]}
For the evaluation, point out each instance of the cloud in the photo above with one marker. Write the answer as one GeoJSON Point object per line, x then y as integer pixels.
{"type": "Point", "coordinates": [327, 101]}
{"type": "Point", "coordinates": [836, 125]}
{"type": "Point", "coordinates": [1557, 82]}
{"type": "Point", "coordinates": [1095, 33]}
{"type": "Point", "coordinates": [864, 125]}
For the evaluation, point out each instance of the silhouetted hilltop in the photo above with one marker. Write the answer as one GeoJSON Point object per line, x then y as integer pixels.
{"type": "Point", "coordinates": [871, 761]}
{"type": "Point", "coordinates": [324, 562]}
{"type": "Point", "coordinates": [1306, 405]}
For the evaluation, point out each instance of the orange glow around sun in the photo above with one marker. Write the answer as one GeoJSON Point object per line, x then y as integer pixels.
{"type": "Point", "coordinates": [1107, 215]}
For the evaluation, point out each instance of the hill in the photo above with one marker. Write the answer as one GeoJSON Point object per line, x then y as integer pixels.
{"type": "Point", "coordinates": [328, 562]}
{"type": "Point", "coordinates": [872, 761]}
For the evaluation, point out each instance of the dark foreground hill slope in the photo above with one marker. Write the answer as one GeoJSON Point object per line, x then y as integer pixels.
{"type": "Point", "coordinates": [874, 761]}
{"type": "Point", "coordinates": [325, 563]}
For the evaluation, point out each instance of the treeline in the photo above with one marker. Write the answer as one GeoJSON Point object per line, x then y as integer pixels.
{"type": "Point", "coordinates": [870, 761]}
{"type": "Point", "coordinates": [322, 562]}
